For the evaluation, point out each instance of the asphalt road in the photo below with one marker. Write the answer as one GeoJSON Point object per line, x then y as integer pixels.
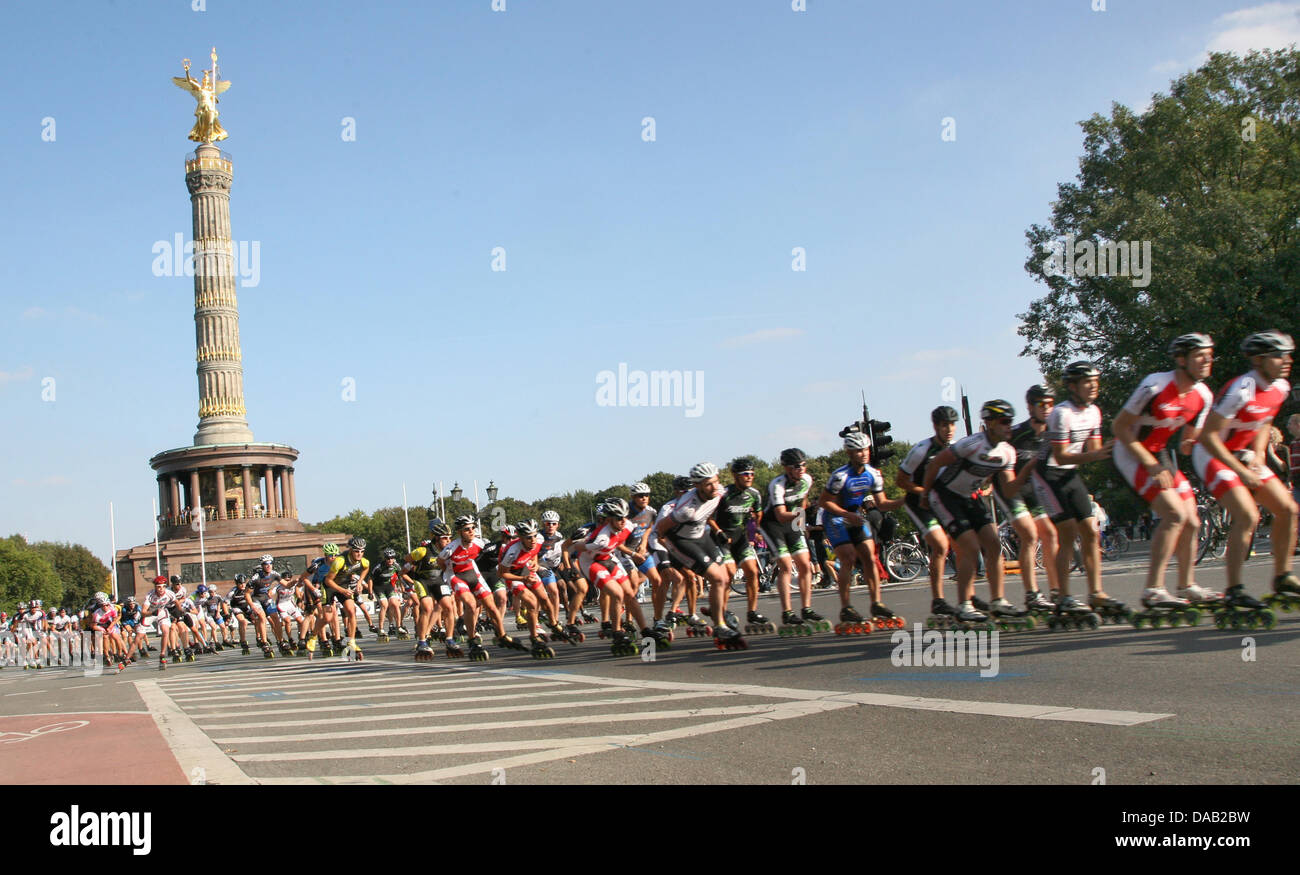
{"type": "Point", "coordinates": [1184, 705]}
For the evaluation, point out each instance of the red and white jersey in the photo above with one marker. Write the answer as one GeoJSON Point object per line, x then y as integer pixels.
{"type": "Point", "coordinates": [159, 604]}
{"type": "Point", "coordinates": [516, 557]}
{"type": "Point", "coordinates": [460, 556]}
{"type": "Point", "coordinates": [1070, 427]}
{"type": "Point", "coordinates": [34, 619]}
{"type": "Point", "coordinates": [1161, 410]}
{"type": "Point", "coordinates": [602, 543]}
{"type": "Point", "coordinates": [105, 616]}
{"type": "Point", "coordinates": [1248, 404]}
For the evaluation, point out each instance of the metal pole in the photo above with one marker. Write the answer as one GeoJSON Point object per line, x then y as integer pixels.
{"type": "Point", "coordinates": [476, 508]}
{"type": "Point", "coordinates": [112, 557]}
{"type": "Point", "coordinates": [203, 561]}
{"type": "Point", "coordinates": [406, 513]}
{"type": "Point", "coordinates": [157, 557]}
{"type": "Point", "coordinates": [442, 502]}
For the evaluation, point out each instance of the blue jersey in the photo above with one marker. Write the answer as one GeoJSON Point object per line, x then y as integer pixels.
{"type": "Point", "coordinates": [849, 489]}
{"type": "Point", "coordinates": [322, 571]}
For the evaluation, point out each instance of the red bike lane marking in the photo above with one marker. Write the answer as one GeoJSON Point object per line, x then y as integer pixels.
{"type": "Point", "coordinates": [85, 748]}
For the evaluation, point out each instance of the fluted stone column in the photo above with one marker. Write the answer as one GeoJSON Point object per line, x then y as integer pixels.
{"type": "Point", "coordinates": [222, 419]}
{"type": "Point", "coordinates": [247, 480]}
{"type": "Point", "coordinates": [174, 490]}
{"type": "Point", "coordinates": [196, 497]}
{"type": "Point", "coordinates": [293, 496]}
{"type": "Point", "coordinates": [221, 493]}
{"type": "Point", "coordinates": [271, 507]}
{"type": "Point", "coordinates": [162, 499]}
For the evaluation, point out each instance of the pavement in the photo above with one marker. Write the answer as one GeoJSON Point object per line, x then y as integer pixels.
{"type": "Point", "coordinates": [1114, 705]}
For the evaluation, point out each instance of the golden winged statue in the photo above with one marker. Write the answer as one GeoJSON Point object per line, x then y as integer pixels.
{"type": "Point", "coordinates": [206, 129]}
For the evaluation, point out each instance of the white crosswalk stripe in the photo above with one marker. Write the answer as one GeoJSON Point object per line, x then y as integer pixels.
{"type": "Point", "coordinates": [388, 722]}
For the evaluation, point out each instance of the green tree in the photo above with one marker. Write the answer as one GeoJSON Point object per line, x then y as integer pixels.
{"type": "Point", "coordinates": [80, 572]}
{"type": "Point", "coordinates": [25, 575]}
{"type": "Point", "coordinates": [1210, 176]}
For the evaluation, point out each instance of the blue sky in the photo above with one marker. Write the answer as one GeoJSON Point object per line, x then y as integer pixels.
{"type": "Point", "coordinates": [523, 129]}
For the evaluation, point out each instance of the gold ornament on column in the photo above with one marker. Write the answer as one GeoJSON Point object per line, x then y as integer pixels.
{"type": "Point", "coordinates": [206, 127]}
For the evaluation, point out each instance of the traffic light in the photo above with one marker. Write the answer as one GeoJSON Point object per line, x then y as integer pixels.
{"type": "Point", "coordinates": [880, 441]}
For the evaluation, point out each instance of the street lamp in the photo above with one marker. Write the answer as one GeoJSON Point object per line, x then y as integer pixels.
{"type": "Point", "coordinates": [491, 492]}
{"type": "Point", "coordinates": [456, 492]}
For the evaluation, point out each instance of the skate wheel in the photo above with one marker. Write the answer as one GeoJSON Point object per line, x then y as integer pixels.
{"type": "Point", "coordinates": [1267, 619]}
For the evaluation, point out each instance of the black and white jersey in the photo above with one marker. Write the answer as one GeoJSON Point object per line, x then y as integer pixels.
{"type": "Point", "coordinates": [692, 513]}
{"type": "Point", "coordinates": [1070, 427]}
{"type": "Point", "coordinates": [977, 462]}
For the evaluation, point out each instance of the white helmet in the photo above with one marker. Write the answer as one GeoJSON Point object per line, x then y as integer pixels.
{"type": "Point", "coordinates": [268, 559]}
{"type": "Point", "coordinates": [703, 471]}
{"type": "Point", "coordinates": [640, 489]}
{"type": "Point", "coordinates": [550, 516]}
{"type": "Point", "coordinates": [855, 440]}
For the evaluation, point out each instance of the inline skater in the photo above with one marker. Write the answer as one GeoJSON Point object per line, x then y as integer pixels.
{"type": "Point", "coordinates": [434, 591]}
{"type": "Point", "coordinates": [263, 584]}
{"type": "Point", "coordinates": [598, 565]}
{"type": "Point", "coordinates": [685, 531]}
{"type": "Point", "coordinates": [679, 579]}
{"type": "Point", "coordinates": [1230, 460]}
{"type": "Point", "coordinates": [104, 621]}
{"type": "Point", "coordinates": [1073, 439]}
{"type": "Point", "coordinates": [345, 572]}
{"type": "Point", "coordinates": [1162, 404]}
{"type": "Point", "coordinates": [518, 566]}
{"type": "Point", "coordinates": [850, 488]}
{"type": "Point", "coordinates": [911, 479]}
{"type": "Point", "coordinates": [953, 480]}
{"type": "Point", "coordinates": [162, 604]}
{"type": "Point", "coordinates": [1029, 519]}
{"type": "Point", "coordinates": [240, 608]}
{"type": "Point", "coordinates": [740, 503]}
{"type": "Point", "coordinates": [61, 628]}
{"type": "Point", "coordinates": [385, 585]}
{"type": "Point", "coordinates": [551, 568]}
{"type": "Point", "coordinates": [579, 588]}
{"type": "Point", "coordinates": [461, 571]}
{"type": "Point", "coordinates": [783, 513]}
{"type": "Point", "coordinates": [637, 555]}
{"type": "Point", "coordinates": [286, 608]}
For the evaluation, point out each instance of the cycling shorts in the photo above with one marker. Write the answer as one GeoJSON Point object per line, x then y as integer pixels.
{"type": "Point", "coordinates": [1062, 493]}
{"type": "Point", "coordinates": [739, 547]}
{"type": "Point", "coordinates": [533, 582]}
{"type": "Point", "coordinates": [959, 513]}
{"type": "Point", "coordinates": [471, 581]}
{"type": "Point", "coordinates": [1023, 503]}
{"type": "Point", "coordinates": [922, 517]}
{"type": "Point", "coordinates": [696, 554]}
{"type": "Point", "coordinates": [436, 590]}
{"type": "Point", "coordinates": [289, 611]}
{"type": "Point", "coordinates": [1147, 487]}
{"type": "Point", "coordinates": [547, 575]}
{"type": "Point", "coordinates": [783, 540]}
{"type": "Point", "coordinates": [601, 572]}
{"type": "Point", "coordinates": [384, 591]}
{"type": "Point", "coordinates": [1218, 477]}
{"type": "Point", "coordinates": [839, 533]}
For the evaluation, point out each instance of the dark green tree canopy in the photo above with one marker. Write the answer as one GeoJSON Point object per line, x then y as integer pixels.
{"type": "Point", "coordinates": [1209, 176]}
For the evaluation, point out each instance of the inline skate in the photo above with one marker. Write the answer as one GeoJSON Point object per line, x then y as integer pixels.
{"type": "Point", "coordinates": [454, 650]}
{"type": "Point", "coordinates": [540, 649]}
{"type": "Point", "coordinates": [697, 628]}
{"type": "Point", "coordinates": [1159, 608]}
{"type": "Point", "coordinates": [1286, 593]}
{"type": "Point", "coordinates": [477, 653]}
{"type": "Point", "coordinates": [757, 624]}
{"type": "Point", "coordinates": [815, 621]}
{"type": "Point", "coordinates": [1072, 614]}
{"type": "Point", "coordinates": [1110, 610]}
{"type": "Point", "coordinates": [1238, 610]}
{"type": "Point", "coordinates": [727, 638]}
{"type": "Point", "coordinates": [623, 645]}
{"type": "Point", "coordinates": [883, 618]}
{"type": "Point", "coordinates": [852, 623]}
{"type": "Point", "coordinates": [1008, 618]}
{"type": "Point", "coordinates": [792, 626]}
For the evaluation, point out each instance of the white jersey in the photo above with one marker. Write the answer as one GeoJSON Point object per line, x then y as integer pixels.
{"type": "Point", "coordinates": [1070, 428]}
{"type": "Point", "coordinates": [552, 550]}
{"type": "Point", "coordinates": [61, 623]}
{"type": "Point", "coordinates": [693, 513]}
{"type": "Point", "coordinates": [977, 462]}
{"type": "Point", "coordinates": [159, 604]}
{"type": "Point", "coordinates": [663, 512]}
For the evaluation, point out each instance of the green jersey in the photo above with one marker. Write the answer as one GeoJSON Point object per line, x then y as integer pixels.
{"type": "Point", "coordinates": [736, 506]}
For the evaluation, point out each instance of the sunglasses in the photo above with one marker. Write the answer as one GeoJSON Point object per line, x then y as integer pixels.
{"type": "Point", "coordinates": [1003, 420]}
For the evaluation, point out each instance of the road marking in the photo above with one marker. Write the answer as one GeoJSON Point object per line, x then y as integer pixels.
{"type": "Point", "coordinates": [79, 687]}
{"type": "Point", "coordinates": [573, 747]}
{"type": "Point", "coordinates": [624, 717]}
{"type": "Point", "coordinates": [28, 693]}
{"type": "Point", "coordinates": [191, 747]}
{"type": "Point", "coordinates": [457, 712]}
{"type": "Point", "coordinates": [378, 706]}
{"type": "Point", "coordinates": [308, 688]}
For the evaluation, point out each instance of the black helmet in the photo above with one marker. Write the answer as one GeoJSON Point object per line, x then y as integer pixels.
{"type": "Point", "coordinates": [1038, 392]}
{"type": "Point", "coordinates": [1078, 370]}
{"type": "Point", "coordinates": [997, 409]}
{"type": "Point", "coordinates": [463, 521]}
{"type": "Point", "coordinates": [240, 580]}
{"type": "Point", "coordinates": [357, 543]}
{"type": "Point", "coordinates": [438, 528]}
{"type": "Point", "coordinates": [943, 413]}
{"type": "Point", "coordinates": [1271, 342]}
{"type": "Point", "coordinates": [1185, 343]}
{"type": "Point", "coordinates": [793, 456]}
{"type": "Point", "coordinates": [176, 578]}
{"type": "Point", "coordinates": [613, 507]}
{"type": "Point", "coordinates": [681, 483]}
{"type": "Point", "coordinates": [389, 553]}
{"type": "Point", "coordinates": [742, 465]}
{"type": "Point", "coordinates": [433, 523]}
